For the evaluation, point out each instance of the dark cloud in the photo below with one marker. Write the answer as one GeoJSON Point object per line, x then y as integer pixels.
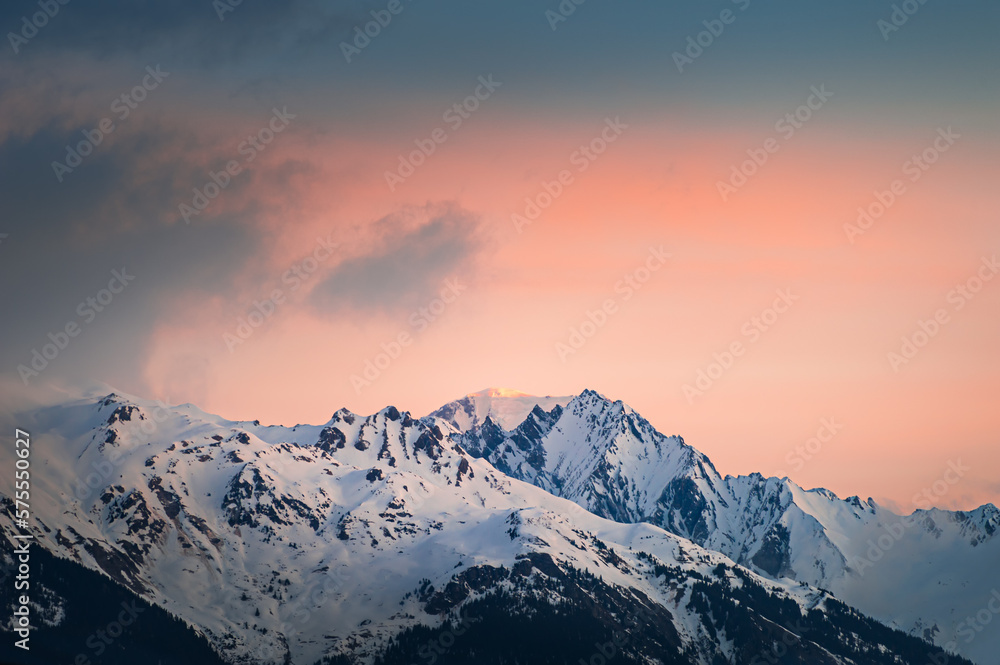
{"type": "Point", "coordinates": [118, 209]}
{"type": "Point", "coordinates": [183, 30]}
{"type": "Point", "coordinates": [44, 287]}
{"type": "Point", "coordinates": [416, 250]}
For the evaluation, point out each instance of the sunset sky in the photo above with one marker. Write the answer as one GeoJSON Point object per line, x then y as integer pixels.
{"type": "Point", "coordinates": [589, 215]}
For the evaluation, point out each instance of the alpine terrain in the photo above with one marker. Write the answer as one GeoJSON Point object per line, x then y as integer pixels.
{"type": "Point", "coordinates": [501, 528]}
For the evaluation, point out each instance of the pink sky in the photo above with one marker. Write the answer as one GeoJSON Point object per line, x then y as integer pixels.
{"type": "Point", "coordinates": [523, 292]}
{"type": "Point", "coordinates": [826, 357]}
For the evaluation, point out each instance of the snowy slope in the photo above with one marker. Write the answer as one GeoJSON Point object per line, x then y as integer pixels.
{"type": "Point", "coordinates": [505, 407]}
{"type": "Point", "coordinates": [606, 458]}
{"type": "Point", "coordinates": [296, 543]}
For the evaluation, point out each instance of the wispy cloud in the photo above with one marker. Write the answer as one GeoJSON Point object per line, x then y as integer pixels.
{"type": "Point", "coordinates": [413, 251]}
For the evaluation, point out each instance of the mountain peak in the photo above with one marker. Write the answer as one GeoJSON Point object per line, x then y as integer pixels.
{"type": "Point", "coordinates": [499, 392]}
{"type": "Point", "coordinates": [504, 406]}
{"type": "Point", "coordinates": [486, 476]}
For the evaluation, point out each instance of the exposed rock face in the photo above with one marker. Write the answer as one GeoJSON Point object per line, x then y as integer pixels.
{"type": "Point", "coordinates": [353, 536]}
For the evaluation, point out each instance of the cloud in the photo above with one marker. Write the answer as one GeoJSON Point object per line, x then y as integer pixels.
{"type": "Point", "coordinates": [183, 30]}
{"type": "Point", "coordinates": [120, 208]}
{"type": "Point", "coordinates": [136, 173]}
{"type": "Point", "coordinates": [894, 506]}
{"type": "Point", "coordinates": [418, 248]}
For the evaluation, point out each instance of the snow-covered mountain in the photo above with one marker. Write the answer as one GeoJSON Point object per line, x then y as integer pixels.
{"type": "Point", "coordinates": [505, 407]}
{"type": "Point", "coordinates": [926, 573]}
{"type": "Point", "coordinates": [389, 538]}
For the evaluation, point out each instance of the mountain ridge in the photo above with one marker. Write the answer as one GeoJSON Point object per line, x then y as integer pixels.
{"type": "Point", "coordinates": [213, 519]}
{"type": "Point", "coordinates": [769, 524]}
